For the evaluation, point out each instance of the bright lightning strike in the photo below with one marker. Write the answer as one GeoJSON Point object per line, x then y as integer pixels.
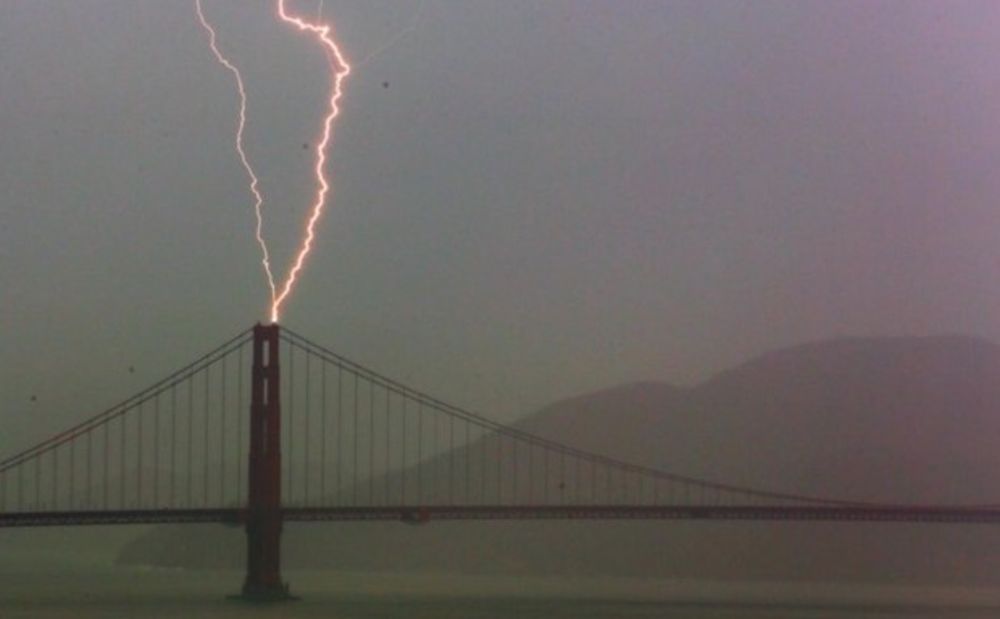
{"type": "Point", "coordinates": [258, 198]}
{"type": "Point", "coordinates": [340, 70]}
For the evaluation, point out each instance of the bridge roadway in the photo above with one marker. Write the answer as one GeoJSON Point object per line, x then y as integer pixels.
{"type": "Point", "coordinates": [424, 514]}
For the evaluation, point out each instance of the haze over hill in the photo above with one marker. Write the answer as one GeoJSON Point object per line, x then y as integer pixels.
{"type": "Point", "coordinates": [877, 419]}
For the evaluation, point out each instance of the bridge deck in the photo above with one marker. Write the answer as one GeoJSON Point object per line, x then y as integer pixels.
{"type": "Point", "coordinates": [423, 514]}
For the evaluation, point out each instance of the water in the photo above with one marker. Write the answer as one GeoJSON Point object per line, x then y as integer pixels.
{"type": "Point", "coordinates": [74, 589]}
{"type": "Point", "coordinates": [63, 573]}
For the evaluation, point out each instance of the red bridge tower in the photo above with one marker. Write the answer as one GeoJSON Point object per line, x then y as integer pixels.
{"type": "Point", "coordinates": [263, 580]}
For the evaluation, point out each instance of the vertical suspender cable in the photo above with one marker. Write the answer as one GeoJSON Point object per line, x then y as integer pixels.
{"type": "Point", "coordinates": [420, 452]}
{"type": "Point", "coordinates": [403, 465]}
{"type": "Point", "coordinates": [308, 438]}
{"type": "Point", "coordinates": [156, 450]}
{"type": "Point", "coordinates": [513, 468]}
{"type": "Point", "coordinates": [204, 481]}
{"type": "Point", "coordinates": [290, 434]}
{"type": "Point", "coordinates": [562, 477]}
{"type": "Point", "coordinates": [239, 425]}
{"type": "Point", "coordinates": [432, 456]}
{"type": "Point", "coordinates": [388, 446]}
{"type": "Point", "coordinates": [482, 465]}
{"type": "Point", "coordinates": [38, 483]}
{"type": "Point", "coordinates": [577, 494]}
{"type": "Point", "coordinates": [323, 434]}
{"type": "Point", "coordinates": [72, 478]}
{"type": "Point", "coordinates": [190, 442]}
{"type": "Point", "coordinates": [222, 436]}
{"type": "Point", "coordinates": [55, 478]}
{"type": "Point", "coordinates": [371, 442]}
{"type": "Point", "coordinates": [121, 464]}
{"type": "Point", "coordinates": [499, 468]}
{"type": "Point", "coordinates": [451, 459]}
{"type": "Point", "coordinates": [356, 439]}
{"type": "Point", "coordinates": [173, 446]}
{"type": "Point", "coordinates": [90, 480]}
{"type": "Point", "coordinates": [547, 453]}
{"type": "Point", "coordinates": [468, 461]}
{"type": "Point", "coordinates": [339, 444]}
{"type": "Point", "coordinates": [138, 456]}
{"type": "Point", "coordinates": [107, 461]}
{"type": "Point", "coordinates": [531, 472]}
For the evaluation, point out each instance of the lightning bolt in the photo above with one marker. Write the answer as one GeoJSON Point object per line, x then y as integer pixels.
{"type": "Point", "coordinates": [340, 69]}
{"type": "Point", "coordinates": [241, 125]}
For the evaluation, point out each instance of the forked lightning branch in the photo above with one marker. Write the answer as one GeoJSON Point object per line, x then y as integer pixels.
{"type": "Point", "coordinates": [339, 70]}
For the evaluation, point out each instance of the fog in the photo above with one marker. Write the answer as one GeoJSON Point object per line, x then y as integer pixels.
{"type": "Point", "coordinates": [531, 200]}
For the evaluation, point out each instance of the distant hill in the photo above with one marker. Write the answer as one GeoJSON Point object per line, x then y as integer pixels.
{"type": "Point", "coordinates": [881, 419]}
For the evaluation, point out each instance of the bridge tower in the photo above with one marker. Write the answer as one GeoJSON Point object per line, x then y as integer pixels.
{"type": "Point", "coordinates": [264, 520]}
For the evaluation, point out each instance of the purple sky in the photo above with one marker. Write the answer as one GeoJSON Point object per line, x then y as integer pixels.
{"type": "Point", "coordinates": [549, 197]}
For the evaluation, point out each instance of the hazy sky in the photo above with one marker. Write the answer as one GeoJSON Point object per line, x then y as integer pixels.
{"type": "Point", "coordinates": [549, 197]}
